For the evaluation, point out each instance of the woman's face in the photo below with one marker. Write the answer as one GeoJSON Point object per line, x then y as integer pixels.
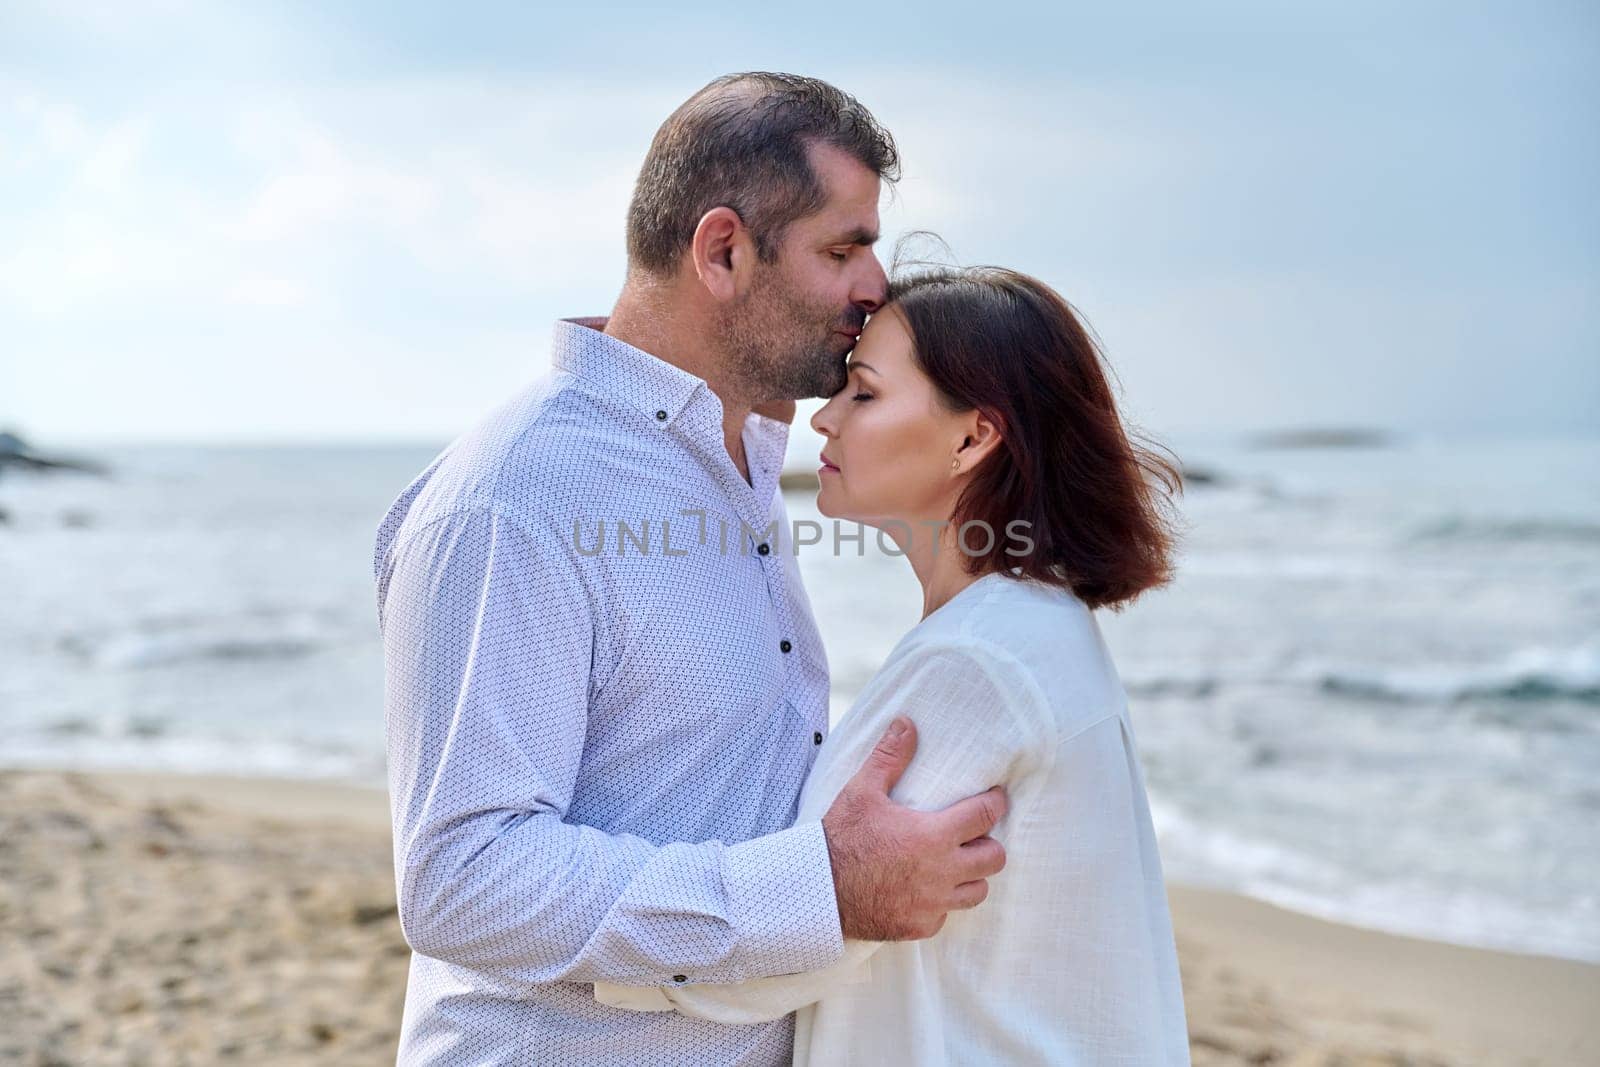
{"type": "Point", "coordinates": [890, 442]}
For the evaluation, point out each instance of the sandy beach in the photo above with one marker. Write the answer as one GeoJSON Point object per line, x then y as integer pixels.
{"type": "Point", "coordinates": [178, 920]}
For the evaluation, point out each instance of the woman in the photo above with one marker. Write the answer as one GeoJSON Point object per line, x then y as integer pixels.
{"type": "Point", "coordinates": [979, 432]}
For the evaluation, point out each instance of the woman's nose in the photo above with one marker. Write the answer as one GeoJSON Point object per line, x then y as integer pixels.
{"type": "Point", "coordinates": [822, 420]}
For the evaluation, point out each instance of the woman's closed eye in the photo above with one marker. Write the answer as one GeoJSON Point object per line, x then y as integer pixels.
{"type": "Point", "coordinates": [861, 398]}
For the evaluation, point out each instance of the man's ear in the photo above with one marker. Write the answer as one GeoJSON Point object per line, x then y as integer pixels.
{"type": "Point", "coordinates": [721, 253]}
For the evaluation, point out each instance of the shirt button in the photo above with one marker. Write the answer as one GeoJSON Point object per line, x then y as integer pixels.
{"type": "Point", "coordinates": [661, 416]}
{"type": "Point", "coordinates": [763, 549]}
{"type": "Point", "coordinates": [680, 978]}
{"type": "Point", "coordinates": [816, 738]}
{"type": "Point", "coordinates": [785, 645]}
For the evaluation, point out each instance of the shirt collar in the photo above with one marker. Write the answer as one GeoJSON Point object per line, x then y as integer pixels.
{"type": "Point", "coordinates": [669, 397]}
{"type": "Point", "coordinates": [652, 385]}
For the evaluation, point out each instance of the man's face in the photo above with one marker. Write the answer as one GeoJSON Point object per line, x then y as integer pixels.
{"type": "Point", "coordinates": [789, 335]}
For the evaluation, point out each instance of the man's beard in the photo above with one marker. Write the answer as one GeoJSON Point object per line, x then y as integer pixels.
{"type": "Point", "coordinates": [778, 347]}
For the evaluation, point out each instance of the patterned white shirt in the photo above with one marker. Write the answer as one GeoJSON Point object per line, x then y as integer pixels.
{"type": "Point", "coordinates": [604, 691]}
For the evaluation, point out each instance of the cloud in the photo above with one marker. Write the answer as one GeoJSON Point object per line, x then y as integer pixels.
{"type": "Point", "coordinates": [43, 127]}
{"type": "Point", "coordinates": [314, 181]}
{"type": "Point", "coordinates": [1244, 258]}
{"type": "Point", "coordinates": [114, 155]}
{"type": "Point", "coordinates": [324, 182]}
{"type": "Point", "coordinates": [269, 292]}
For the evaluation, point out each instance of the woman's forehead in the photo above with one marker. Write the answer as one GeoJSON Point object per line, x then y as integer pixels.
{"type": "Point", "coordinates": [885, 346]}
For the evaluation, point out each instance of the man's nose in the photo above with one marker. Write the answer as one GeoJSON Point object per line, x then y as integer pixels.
{"type": "Point", "coordinates": [873, 290]}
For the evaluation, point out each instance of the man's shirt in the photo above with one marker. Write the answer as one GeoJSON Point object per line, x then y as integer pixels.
{"type": "Point", "coordinates": [602, 699]}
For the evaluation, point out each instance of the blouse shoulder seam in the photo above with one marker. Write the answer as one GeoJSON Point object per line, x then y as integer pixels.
{"type": "Point", "coordinates": [1079, 731]}
{"type": "Point", "coordinates": [987, 655]}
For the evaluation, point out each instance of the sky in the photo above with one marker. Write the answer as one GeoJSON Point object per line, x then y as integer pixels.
{"type": "Point", "coordinates": [356, 222]}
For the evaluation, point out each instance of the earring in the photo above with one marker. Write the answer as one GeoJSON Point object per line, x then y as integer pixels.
{"type": "Point", "coordinates": [955, 464]}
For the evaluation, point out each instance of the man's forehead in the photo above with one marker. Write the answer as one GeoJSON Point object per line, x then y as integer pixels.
{"type": "Point", "coordinates": [844, 223]}
{"type": "Point", "coordinates": [827, 228]}
{"type": "Point", "coordinates": [841, 222]}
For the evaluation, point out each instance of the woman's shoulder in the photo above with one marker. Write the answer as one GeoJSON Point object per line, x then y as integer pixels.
{"type": "Point", "coordinates": [1040, 639]}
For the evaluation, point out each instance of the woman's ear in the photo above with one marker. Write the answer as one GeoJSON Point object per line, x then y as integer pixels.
{"type": "Point", "coordinates": [721, 251]}
{"type": "Point", "coordinates": [981, 437]}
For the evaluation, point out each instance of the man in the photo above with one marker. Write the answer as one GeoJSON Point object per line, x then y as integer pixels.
{"type": "Point", "coordinates": [604, 684]}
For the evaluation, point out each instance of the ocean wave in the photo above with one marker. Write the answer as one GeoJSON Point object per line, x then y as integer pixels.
{"type": "Point", "coordinates": [1196, 684]}
{"type": "Point", "coordinates": [1457, 528]}
{"type": "Point", "coordinates": [156, 643]}
{"type": "Point", "coordinates": [1284, 565]}
{"type": "Point", "coordinates": [134, 726]}
{"type": "Point", "coordinates": [1413, 908]}
{"type": "Point", "coordinates": [112, 744]}
{"type": "Point", "coordinates": [1201, 853]}
{"type": "Point", "coordinates": [1528, 674]}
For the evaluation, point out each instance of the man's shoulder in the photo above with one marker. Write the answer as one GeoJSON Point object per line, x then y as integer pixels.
{"type": "Point", "coordinates": [535, 459]}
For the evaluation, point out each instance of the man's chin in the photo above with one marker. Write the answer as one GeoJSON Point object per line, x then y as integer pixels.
{"type": "Point", "coordinates": [838, 376]}
{"type": "Point", "coordinates": [781, 410]}
{"type": "Point", "coordinates": [826, 392]}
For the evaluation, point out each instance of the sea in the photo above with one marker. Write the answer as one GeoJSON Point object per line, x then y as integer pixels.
{"type": "Point", "coordinates": [1372, 694]}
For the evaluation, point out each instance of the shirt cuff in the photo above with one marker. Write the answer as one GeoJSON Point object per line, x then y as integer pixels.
{"type": "Point", "coordinates": [781, 886]}
{"type": "Point", "coordinates": [781, 889]}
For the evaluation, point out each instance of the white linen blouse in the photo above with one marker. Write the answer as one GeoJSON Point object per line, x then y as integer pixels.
{"type": "Point", "coordinates": [1071, 959]}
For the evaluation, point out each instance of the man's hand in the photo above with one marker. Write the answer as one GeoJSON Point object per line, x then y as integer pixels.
{"type": "Point", "coordinates": [897, 872]}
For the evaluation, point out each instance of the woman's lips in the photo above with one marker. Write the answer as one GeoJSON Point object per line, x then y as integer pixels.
{"type": "Point", "coordinates": [826, 466]}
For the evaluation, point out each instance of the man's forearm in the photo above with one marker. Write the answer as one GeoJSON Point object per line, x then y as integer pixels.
{"type": "Point", "coordinates": [531, 900]}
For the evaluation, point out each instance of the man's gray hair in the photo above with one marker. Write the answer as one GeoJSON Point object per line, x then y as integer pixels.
{"type": "Point", "coordinates": [742, 142]}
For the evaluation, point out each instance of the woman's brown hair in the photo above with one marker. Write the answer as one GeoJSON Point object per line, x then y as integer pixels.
{"type": "Point", "coordinates": [1097, 506]}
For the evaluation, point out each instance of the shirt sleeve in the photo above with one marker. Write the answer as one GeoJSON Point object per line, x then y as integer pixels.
{"type": "Point", "coordinates": [489, 642]}
{"type": "Point", "coordinates": [979, 724]}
